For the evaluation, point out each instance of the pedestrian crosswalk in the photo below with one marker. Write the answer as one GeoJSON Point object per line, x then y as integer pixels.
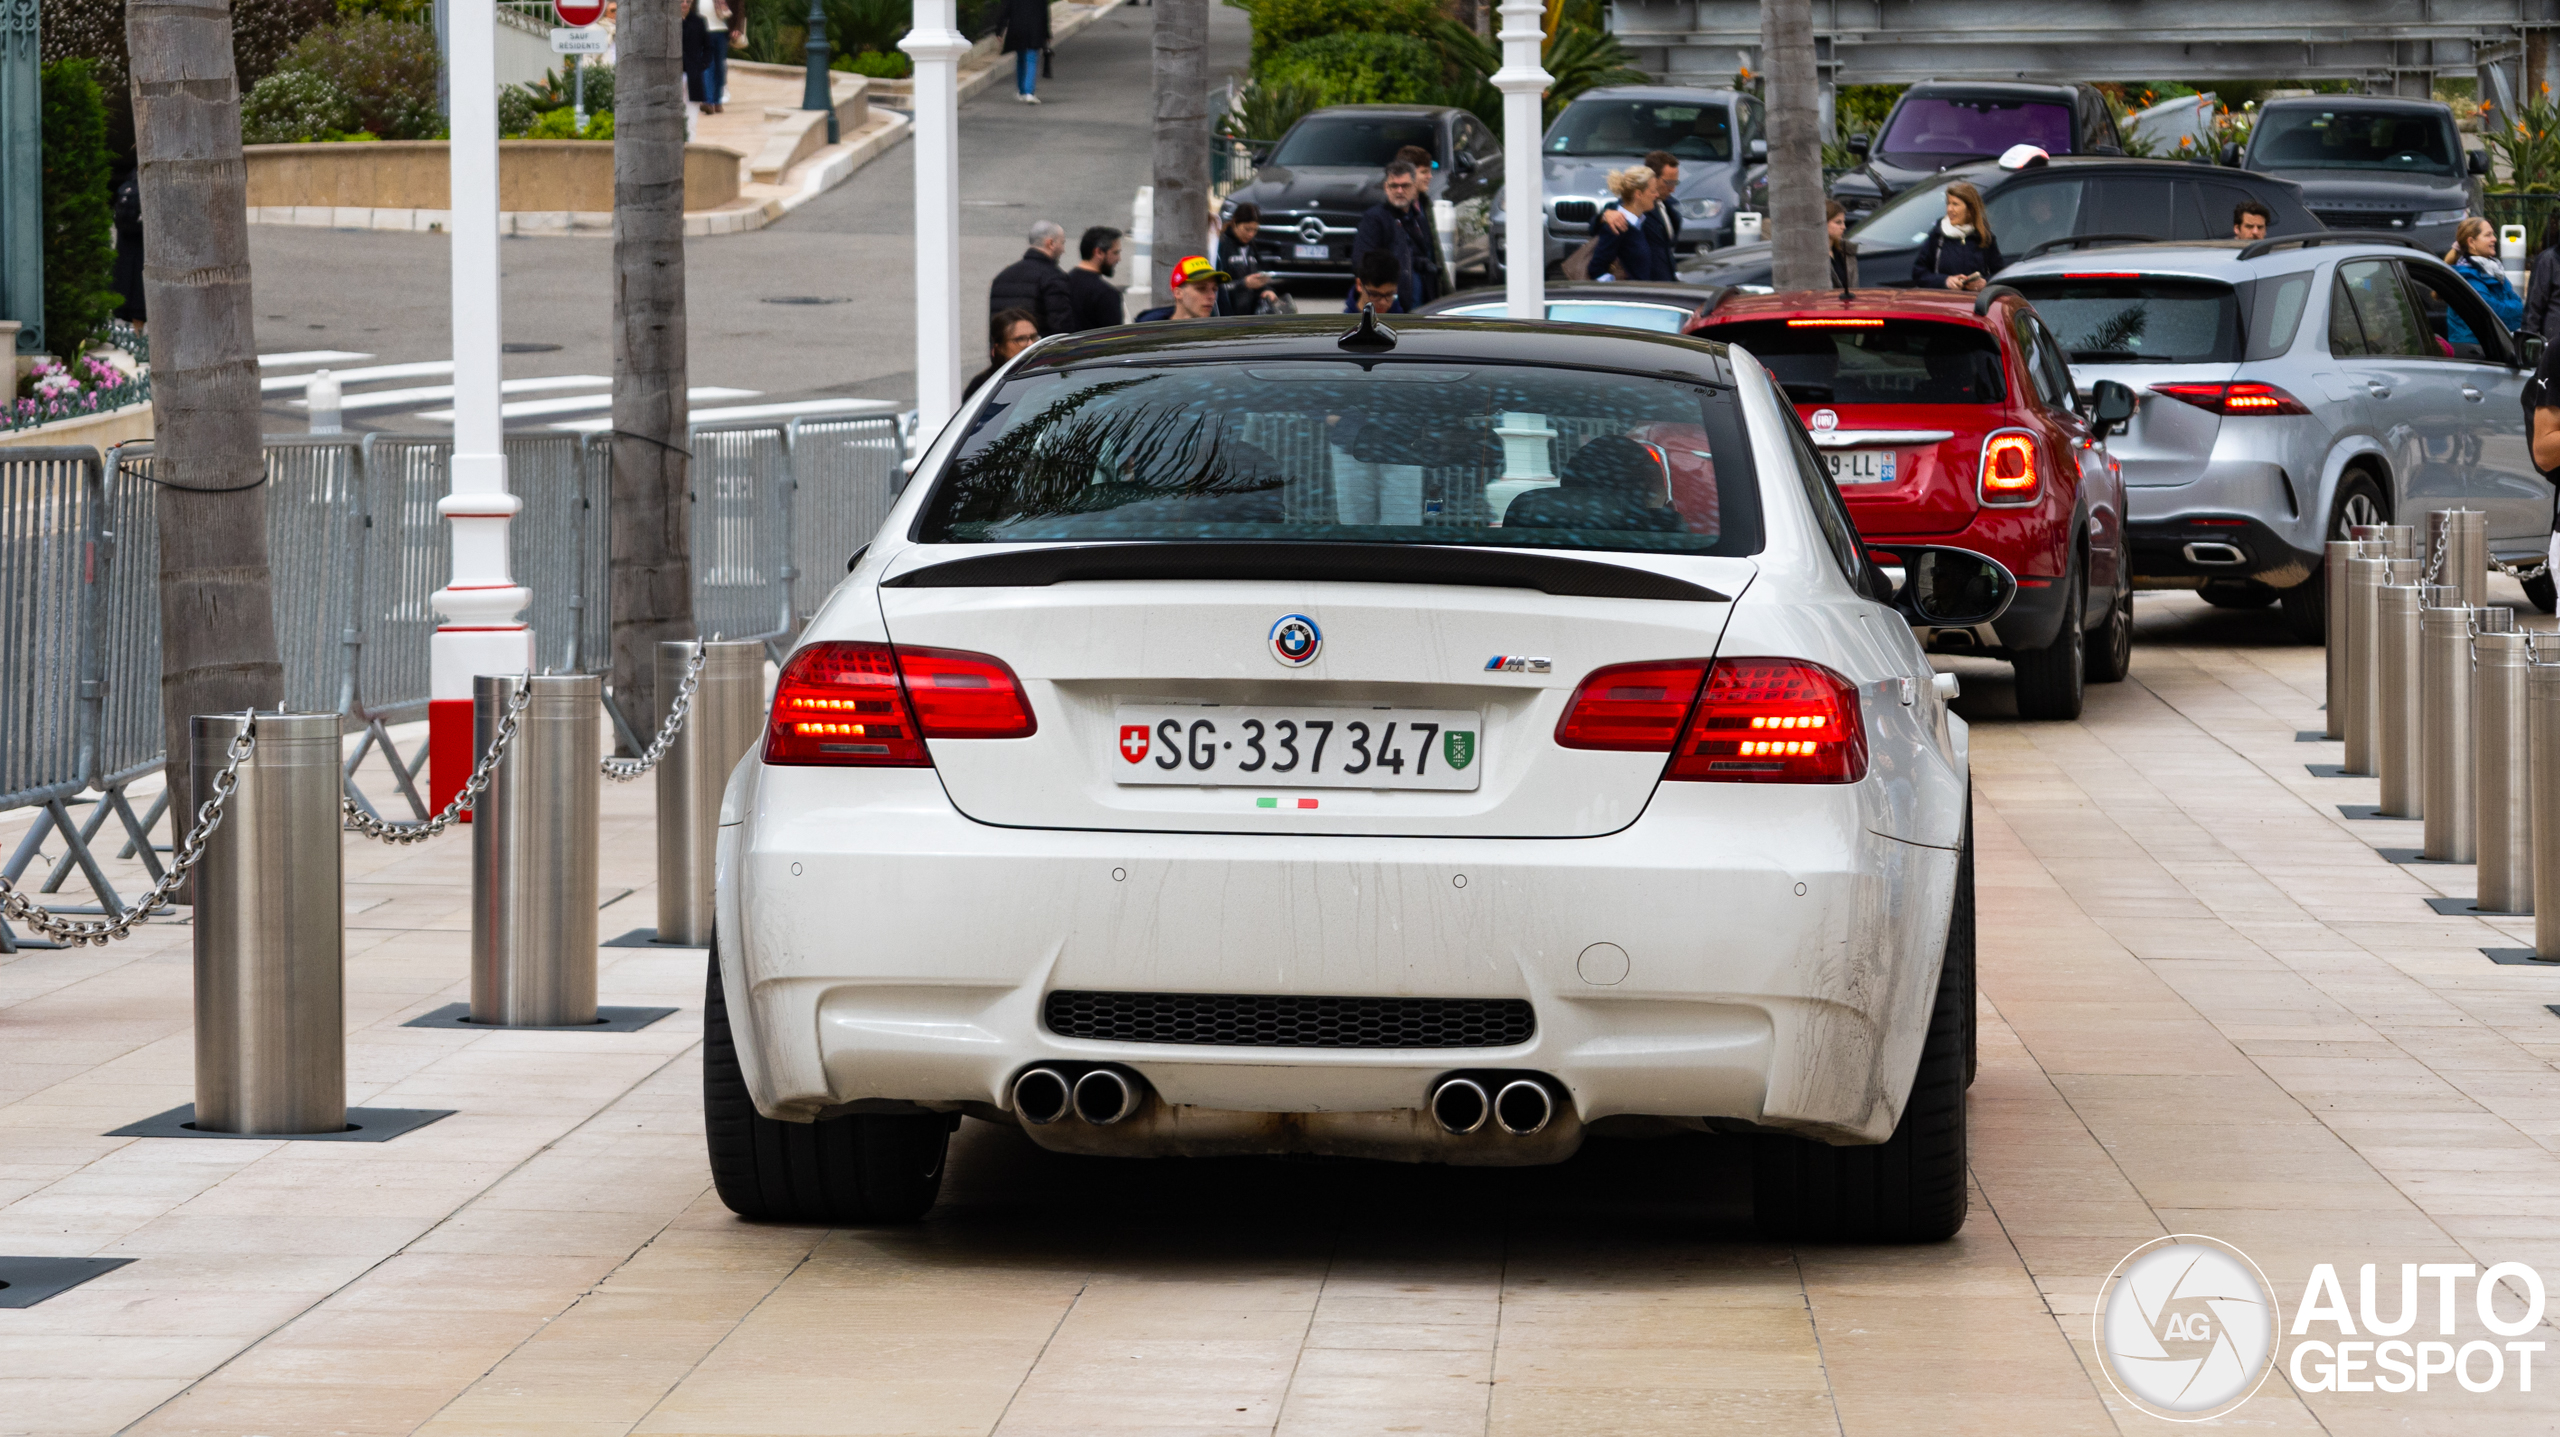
{"type": "Point", "coordinates": [373, 395]}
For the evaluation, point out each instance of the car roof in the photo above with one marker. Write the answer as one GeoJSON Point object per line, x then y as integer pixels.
{"type": "Point", "coordinates": [2098, 166]}
{"type": "Point", "coordinates": [2023, 89]}
{"type": "Point", "coordinates": [1589, 291]}
{"type": "Point", "coordinates": [1657, 92]}
{"type": "Point", "coordinates": [2408, 103]}
{"type": "Point", "coordinates": [1884, 303]}
{"type": "Point", "coordinates": [1377, 110]}
{"type": "Point", "coordinates": [1417, 337]}
{"type": "Point", "coordinates": [2202, 259]}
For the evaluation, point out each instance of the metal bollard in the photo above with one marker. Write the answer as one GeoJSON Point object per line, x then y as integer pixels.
{"type": "Point", "coordinates": [2445, 786]}
{"type": "Point", "coordinates": [2400, 541]}
{"type": "Point", "coordinates": [270, 932]}
{"type": "Point", "coordinates": [726, 720]}
{"type": "Point", "coordinates": [2364, 576]}
{"type": "Point", "coordinates": [2395, 689]}
{"type": "Point", "coordinates": [2542, 740]}
{"type": "Point", "coordinates": [2500, 657]}
{"type": "Point", "coordinates": [2462, 536]}
{"type": "Point", "coordinates": [2333, 579]}
{"type": "Point", "coordinates": [533, 855]}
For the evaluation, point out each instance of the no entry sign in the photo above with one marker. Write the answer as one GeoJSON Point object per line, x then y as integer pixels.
{"type": "Point", "coordinates": [577, 14]}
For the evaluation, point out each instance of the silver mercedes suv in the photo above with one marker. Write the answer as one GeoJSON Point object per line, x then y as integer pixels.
{"type": "Point", "coordinates": [2288, 388]}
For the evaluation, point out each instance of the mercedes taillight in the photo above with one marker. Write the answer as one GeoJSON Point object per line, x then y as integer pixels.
{"type": "Point", "coordinates": [1753, 720]}
{"type": "Point", "coordinates": [2240, 398]}
{"type": "Point", "coordinates": [870, 704]}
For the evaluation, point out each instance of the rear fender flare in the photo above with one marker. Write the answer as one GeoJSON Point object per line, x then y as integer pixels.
{"type": "Point", "coordinates": [2347, 451]}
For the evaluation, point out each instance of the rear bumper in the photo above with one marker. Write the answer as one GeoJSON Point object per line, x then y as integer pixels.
{"type": "Point", "coordinates": [1743, 952]}
{"type": "Point", "coordinates": [2181, 548]}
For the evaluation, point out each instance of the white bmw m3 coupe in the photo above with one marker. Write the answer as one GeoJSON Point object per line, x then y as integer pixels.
{"type": "Point", "coordinates": [1444, 744]}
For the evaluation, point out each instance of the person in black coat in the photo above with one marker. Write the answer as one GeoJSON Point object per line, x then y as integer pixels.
{"type": "Point", "coordinates": [2541, 290]}
{"type": "Point", "coordinates": [128, 207]}
{"type": "Point", "coordinates": [1035, 284]}
{"type": "Point", "coordinates": [1638, 251]}
{"type": "Point", "coordinates": [1025, 24]}
{"type": "Point", "coordinates": [1959, 252]}
{"type": "Point", "coordinates": [1383, 229]}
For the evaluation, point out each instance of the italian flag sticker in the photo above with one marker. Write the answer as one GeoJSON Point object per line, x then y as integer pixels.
{"type": "Point", "coordinates": [1284, 803]}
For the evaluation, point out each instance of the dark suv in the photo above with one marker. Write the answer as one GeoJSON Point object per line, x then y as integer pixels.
{"type": "Point", "coordinates": [2369, 162]}
{"type": "Point", "coordinates": [1938, 124]}
{"type": "Point", "coordinates": [1331, 166]}
{"type": "Point", "coordinates": [2046, 204]}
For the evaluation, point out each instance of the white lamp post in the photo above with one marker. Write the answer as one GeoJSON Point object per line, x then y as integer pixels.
{"type": "Point", "coordinates": [937, 45]}
{"type": "Point", "coordinates": [1523, 83]}
{"type": "Point", "coordinates": [480, 633]}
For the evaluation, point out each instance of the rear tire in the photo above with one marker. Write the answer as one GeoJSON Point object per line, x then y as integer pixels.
{"type": "Point", "coordinates": [2236, 594]}
{"type": "Point", "coordinates": [2110, 656]}
{"type": "Point", "coordinates": [1911, 1187]}
{"type": "Point", "coordinates": [842, 1172]}
{"type": "Point", "coordinates": [2306, 605]}
{"type": "Point", "coordinates": [2052, 680]}
{"type": "Point", "coordinates": [2544, 594]}
{"type": "Point", "coordinates": [2306, 609]}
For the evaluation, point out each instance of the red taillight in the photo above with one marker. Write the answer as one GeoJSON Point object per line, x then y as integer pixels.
{"type": "Point", "coordinates": [1759, 721]}
{"type": "Point", "coordinates": [2009, 469]}
{"type": "Point", "coordinates": [843, 703]}
{"type": "Point", "coordinates": [2242, 398]}
{"type": "Point", "coordinates": [1631, 706]}
{"type": "Point", "coordinates": [1773, 721]}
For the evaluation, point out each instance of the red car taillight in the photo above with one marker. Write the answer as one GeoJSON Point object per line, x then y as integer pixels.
{"type": "Point", "coordinates": [2009, 469]}
{"type": "Point", "coordinates": [1773, 721]}
{"type": "Point", "coordinates": [846, 703]}
{"type": "Point", "coordinates": [2241, 398]}
{"type": "Point", "coordinates": [1758, 721]}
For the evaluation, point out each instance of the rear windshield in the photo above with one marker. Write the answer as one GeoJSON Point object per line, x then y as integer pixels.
{"type": "Point", "coordinates": [2138, 321]}
{"type": "Point", "coordinates": [1342, 452]}
{"type": "Point", "coordinates": [1932, 125]}
{"type": "Point", "coordinates": [1830, 360]}
{"type": "Point", "coordinates": [1360, 142]}
{"type": "Point", "coordinates": [1689, 129]}
{"type": "Point", "coordinates": [2305, 138]}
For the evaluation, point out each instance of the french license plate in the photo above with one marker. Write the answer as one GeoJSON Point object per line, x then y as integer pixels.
{"type": "Point", "coordinates": [1861, 466]}
{"type": "Point", "coordinates": [1235, 745]}
{"type": "Point", "coordinates": [1311, 251]}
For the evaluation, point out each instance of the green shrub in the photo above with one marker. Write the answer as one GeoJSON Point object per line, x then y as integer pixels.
{"type": "Point", "coordinates": [79, 225]}
{"type": "Point", "coordinates": [560, 87]}
{"type": "Point", "coordinates": [1279, 24]}
{"type": "Point", "coordinates": [386, 69]}
{"type": "Point", "coordinates": [295, 107]}
{"type": "Point", "coordinates": [517, 112]}
{"type": "Point", "coordinates": [1357, 68]}
{"type": "Point", "coordinates": [562, 124]}
{"type": "Point", "coordinates": [854, 26]}
{"type": "Point", "coordinates": [878, 64]}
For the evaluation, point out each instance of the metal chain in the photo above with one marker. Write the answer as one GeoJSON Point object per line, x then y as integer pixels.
{"type": "Point", "coordinates": [406, 833]}
{"type": "Point", "coordinates": [2435, 561]}
{"type": "Point", "coordinates": [2519, 572]}
{"type": "Point", "coordinates": [623, 770]}
{"type": "Point", "coordinates": [80, 932]}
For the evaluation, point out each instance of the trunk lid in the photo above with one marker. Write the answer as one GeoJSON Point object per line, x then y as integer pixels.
{"type": "Point", "coordinates": [1094, 654]}
{"type": "Point", "coordinates": [2168, 441]}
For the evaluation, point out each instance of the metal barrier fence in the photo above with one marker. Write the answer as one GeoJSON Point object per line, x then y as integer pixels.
{"type": "Point", "coordinates": [357, 550]}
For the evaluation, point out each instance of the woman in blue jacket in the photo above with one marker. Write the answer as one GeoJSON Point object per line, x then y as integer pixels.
{"type": "Point", "coordinates": [1959, 252]}
{"type": "Point", "coordinates": [2474, 256]}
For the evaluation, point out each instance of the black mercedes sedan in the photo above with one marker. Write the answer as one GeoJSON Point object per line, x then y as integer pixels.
{"type": "Point", "coordinates": [1331, 166]}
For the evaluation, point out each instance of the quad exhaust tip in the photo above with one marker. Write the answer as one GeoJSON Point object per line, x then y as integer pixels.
{"type": "Point", "coordinates": [1104, 1096]}
{"type": "Point", "coordinates": [1460, 1106]}
{"type": "Point", "coordinates": [1042, 1096]}
{"type": "Point", "coordinates": [1524, 1107]}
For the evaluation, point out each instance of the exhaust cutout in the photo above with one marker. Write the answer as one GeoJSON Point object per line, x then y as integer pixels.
{"type": "Point", "coordinates": [1105, 1096]}
{"type": "Point", "coordinates": [1524, 1107]}
{"type": "Point", "coordinates": [1460, 1106]}
{"type": "Point", "coordinates": [1041, 1096]}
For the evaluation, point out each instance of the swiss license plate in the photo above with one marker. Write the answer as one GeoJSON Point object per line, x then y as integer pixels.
{"type": "Point", "coordinates": [1311, 251]}
{"type": "Point", "coordinates": [1236, 745]}
{"type": "Point", "coordinates": [1861, 466]}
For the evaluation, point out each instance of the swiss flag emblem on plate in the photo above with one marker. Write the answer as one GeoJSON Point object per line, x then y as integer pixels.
{"type": "Point", "coordinates": [1133, 741]}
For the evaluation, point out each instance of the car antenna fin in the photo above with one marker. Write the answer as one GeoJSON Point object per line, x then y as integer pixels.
{"type": "Point", "coordinates": [1371, 337]}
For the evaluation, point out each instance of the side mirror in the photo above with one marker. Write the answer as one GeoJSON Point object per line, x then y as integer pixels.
{"type": "Point", "coordinates": [2477, 161]}
{"type": "Point", "coordinates": [1760, 150]}
{"type": "Point", "coordinates": [2231, 154]}
{"type": "Point", "coordinates": [1466, 163]}
{"type": "Point", "coordinates": [1948, 588]}
{"type": "Point", "coordinates": [2111, 407]}
{"type": "Point", "coordinates": [1858, 146]}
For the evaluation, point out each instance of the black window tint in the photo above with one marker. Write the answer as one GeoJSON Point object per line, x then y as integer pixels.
{"type": "Point", "coordinates": [2046, 355]}
{"type": "Point", "coordinates": [2023, 215]}
{"type": "Point", "coordinates": [2391, 323]}
{"type": "Point", "coordinates": [2139, 319]}
{"type": "Point", "coordinates": [2128, 205]}
{"type": "Point", "coordinates": [1838, 532]}
{"type": "Point", "coordinates": [2222, 209]}
{"type": "Point", "coordinates": [2346, 336]}
{"type": "Point", "coordinates": [2442, 298]}
{"type": "Point", "coordinates": [1890, 361]}
{"type": "Point", "coordinates": [2037, 378]}
{"type": "Point", "coordinates": [2276, 304]}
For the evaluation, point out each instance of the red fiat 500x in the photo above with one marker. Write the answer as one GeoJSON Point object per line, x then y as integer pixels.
{"type": "Point", "coordinates": [1950, 419]}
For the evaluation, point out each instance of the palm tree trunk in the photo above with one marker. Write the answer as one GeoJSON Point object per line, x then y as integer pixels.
{"type": "Point", "coordinates": [1800, 258]}
{"type": "Point", "coordinates": [1181, 136]}
{"type": "Point", "coordinates": [652, 566]}
{"type": "Point", "coordinates": [217, 603]}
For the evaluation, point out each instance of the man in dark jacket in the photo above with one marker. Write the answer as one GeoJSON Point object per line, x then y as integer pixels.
{"type": "Point", "coordinates": [1033, 283]}
{"type": "Point", "coordinates": [1095, 299]}
{"type": "Point", "coordinates": [1663, 220]}
{"type": "Point", "coordinates": [1383, 230]}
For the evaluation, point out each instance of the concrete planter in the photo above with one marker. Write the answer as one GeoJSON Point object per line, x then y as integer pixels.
{"type": "Point", "coordinates": [103, 429]}
{"type": "Point", "coordinates": [534, 176]}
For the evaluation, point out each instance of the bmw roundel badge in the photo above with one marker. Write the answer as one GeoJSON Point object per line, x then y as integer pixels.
{"type": "Point", "coordinates": [1295, 640]}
